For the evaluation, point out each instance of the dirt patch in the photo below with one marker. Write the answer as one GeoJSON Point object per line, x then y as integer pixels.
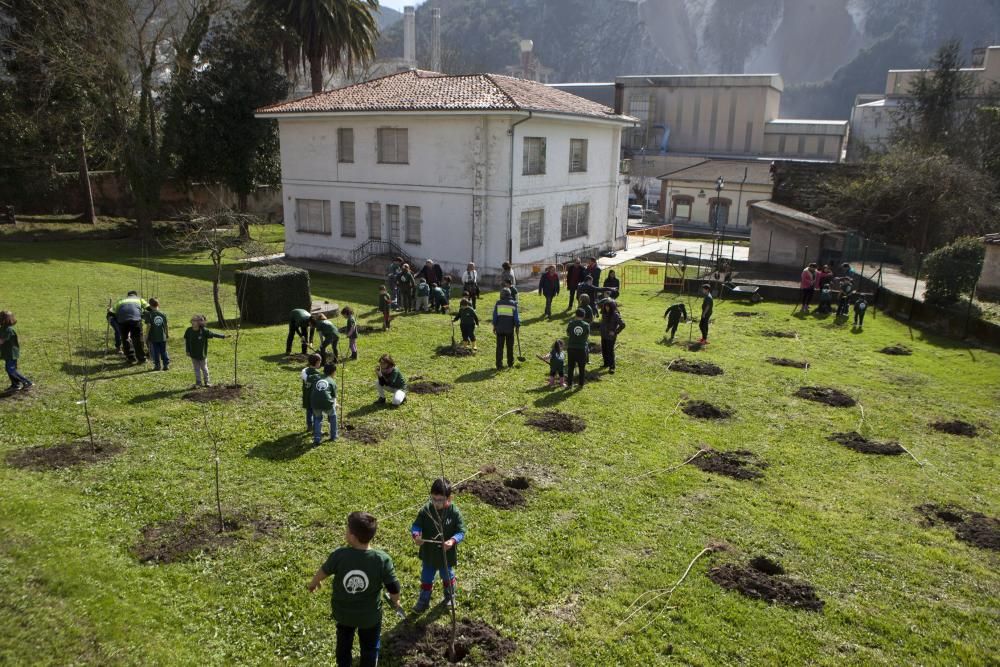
{"type": "Point", "coordinates": [972, 527]}
{"type": "Point", "coordinates": [429, 387]}
{"type": "Point", "coordinates": [493, 493]}
{"type": "Point", "coordinates": [556, 421]}
{"type": "Point", "coordinates": [760, 585]}
{"type": "Point", "coordinates": [827, 395]}
{"type": "Point", "coordinates": [594, 348]}
{"type": "Point", "coordinates": [747, 313]}
{"type": "Point", "coordinates": [791, 363]}
{"type": "Point", "coordinates": [860, 443]}
{"type": "Point", "coordinates": [704, 410]}
{"type": "Point", "coordinates": [694, 367]}
{"type": "Point", "coordinates": [228, 392]}
{"type": "Point", "coordinates": [897, 350]}
{"type": "Point", "coordinates": [430, 645]}
{"type": "Point", "coordinates": [456, 351]}
{"type": "Point", "coordinates": [779, 334]}
{"type": "Point", "coordinates": [15, 394]}
{"type": "Point", "coordinates": [521, 483]}
{"type": "Point", "coordinates": [366, 435]}
{"type": "Point", "coordinates": [956, 427]}
{"type": "Point", "coordinates": [766, 565]}
{"type": "Point", "coordinates": [296, 358]}
{"type": "Point", "coordinates": [738, 464]}
{"type": "Point", "coordinates": [63, 455]}
{"type": "Point", "coordinates": [185, 537]}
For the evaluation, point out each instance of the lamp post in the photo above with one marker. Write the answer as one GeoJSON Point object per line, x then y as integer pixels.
{"type": "Point", "coordinates": [719, 184]}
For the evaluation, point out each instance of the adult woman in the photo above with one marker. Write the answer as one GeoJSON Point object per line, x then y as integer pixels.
{"type": "Point", "coordinates": [611, 325]}
{"type": "Point", "coordinates": [611, 282]}
{"type": "Point", "coordinates": [808, 285]}
{"type": "Point", "coordinates": [548, 286]}
{"type": "Point", "coordinates": [470, 283]}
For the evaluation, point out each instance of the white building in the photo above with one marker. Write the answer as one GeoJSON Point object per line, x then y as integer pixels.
{"type": "Point", "coordinates": [482, 168]}
{"type": "Point", "coordinates": [715, 194]}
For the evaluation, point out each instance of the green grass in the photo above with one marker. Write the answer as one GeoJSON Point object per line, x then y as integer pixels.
{"type": "Point", "coordinates": [556, 576]}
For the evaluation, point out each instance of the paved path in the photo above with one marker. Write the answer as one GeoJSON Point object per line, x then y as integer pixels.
{"type": "Point", "coordinates": [636, 249]}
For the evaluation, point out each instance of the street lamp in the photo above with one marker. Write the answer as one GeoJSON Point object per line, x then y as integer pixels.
{"type": "Point", "coordinates": [719, 184]}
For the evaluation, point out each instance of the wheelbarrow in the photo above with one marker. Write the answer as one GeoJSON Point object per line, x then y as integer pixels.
{"type": "Point", "coordinates": [745, 291]}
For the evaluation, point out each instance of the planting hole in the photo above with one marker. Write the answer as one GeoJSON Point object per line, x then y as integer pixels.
{"type": "Point", "coordinates": [772, 588]}
{"type": "Point", "coordinates": [63, 455]}
{"type": "Point", "coordinates": [555, 421]}
{"type": "Point", "coordinates": [859, 443]}
{"type": "Point", "coordinates": [738, 464]}
{"type": "Point", "coordinates": [972, 527]}
{"type": "Point", "coordinates": [704, 410]}
{"type": "Point", "coordinates": [827, 396]}
{"type": "Point", "coordinates": [790, 363]}
{"type": "Point", "coordinates": [694, 367]}
{"type": "Point", "coordinates": [956, 427]}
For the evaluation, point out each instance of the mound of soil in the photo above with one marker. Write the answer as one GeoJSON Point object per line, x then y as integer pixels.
{"type": "Point", "coordinates": [520, 482]}
{"type": "Point", "coordinates": [860, 443]}
{"type": "Point", "coordinates": [704, 410]}
{"type": "Point", "coordinates": [456, 351]}
{"type": "Point", "coordinates": [897, 350]}
{"type": "Point", "coordinates": [594, 348]}
{"type": "Point", "coordinates": [791, 363]}
{"type": "Point", "coordinates": [493, 493]}
{"type": "Point", "coordinates": [766, 565]}
{"type": "Point", "coordinates": [62, 456]}
{"type": "Point", "coordinates": [229, 392]}
{"type": "Point", "coordinates": [429, 387]}
{"type": "Point", "coordinates": [555, 421]}
{"type": "Point", "coordinates": [779, 334]}
{"type": "Point", "coordinates": [827, 395]}
{"type": "Point", "coordinates": [185, 537]}
{"type": "Point", "coordinates": [366, 435]}
{"type": "Point", "coordinates": [747, 313]}
{"type": "Point", "coordinates": [430, 645]}
{"type": "Point", "coordinates": [972, 527]}
{"type": "Point", "coordinates": [738, 464]}
{"type": "Point", "coordinates": [760, 585]}
{"type": "Point", "coordinates": [956, 427]}
{"type": "Point", "coordinates": [694, 367]}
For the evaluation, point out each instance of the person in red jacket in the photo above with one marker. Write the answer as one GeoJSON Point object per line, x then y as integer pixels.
{"type": "Point", "coordinates": [574, 276]}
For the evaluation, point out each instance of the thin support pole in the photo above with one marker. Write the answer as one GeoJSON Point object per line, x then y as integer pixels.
{"type": "Point", "coordinates": [968, 311]}
{"type": "Point", "coordinates": [913, 297]}
{"type": "Point", "coordinates": [769, 237]}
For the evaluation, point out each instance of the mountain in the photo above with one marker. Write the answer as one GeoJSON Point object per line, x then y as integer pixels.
{"type": "Point", "coordinates": [826, 50]}
{"type": "Point", "coordinates": [388, 17]}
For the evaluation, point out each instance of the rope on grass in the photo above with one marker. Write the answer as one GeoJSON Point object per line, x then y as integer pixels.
{"type": "Point", "coordinates": [919, 462]}
{"type": "Point", "coordinates": [861, 423]}
{"type": "Point", "coordinates": [671, 468]}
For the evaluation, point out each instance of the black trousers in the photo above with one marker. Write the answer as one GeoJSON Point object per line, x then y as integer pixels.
{"type": "Point", "coordinates": [330, 342]}
{"type": "Point", "coordinates": [294, 330]}
{"type": "Point", "coordinates": [577, 361]}
{"type": "Point", "coordinates": [572, 295]}
{"type": "Point", "coordinates": [468, 331]}
{"type": "Point", "coordinates": [608, 352]}
{"type": "Point", "coordinates": [505, 339]}
{"type": "Point", "coordinates": [807, 296]}
{"type": "Point", "coordinates": [859, 317]}
{"type": "Point", "coordinates": [132, 341]}
{"type": "Point", "coordinates": [703, 325]}
{"type": "Point", "coordinates": [548, 304]}
{"type": "Point", "coordinates": [672, 327]}
{"type": "Point", "coordinates": [369, 638]}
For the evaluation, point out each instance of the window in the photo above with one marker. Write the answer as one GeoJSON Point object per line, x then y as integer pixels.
{"type": "Point", "coordinates": [532, 226]}
{"type": "Point", "coordinates": [413, 224]}
{"type": "Point", "coordinates": [345, 144]}
{"type": "Point", "coordinates": [682, 207]}
{"type": "Point", "coordinates": [534, 156]}
{"type": "Point", "coordinates": [639, 107]}
{"type": "Point", "coordinates": [312, 216]}
{"type": "Point", "coordinates": [392, 216]}
{"type": "Point", "coordinates": [375, 220]}
{"type": "Point", "coordinates": [392, 145]}
{"type": "Point", "coordinates": [347, 220]}
{"type": "Point", "coordinates": [574, 220]}
{"type": "Point", "coordinates": [720, 208]}
{"type": "Point", "coordinates": [577, 155]}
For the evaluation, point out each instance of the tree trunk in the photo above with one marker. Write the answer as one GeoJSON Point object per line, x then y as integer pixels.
{"type": "Point", "coordinates": [215, 295]}
{"type": "Point", "coordinates": [241, 205]}
{"type": "Point", "coordinates": [89, 215]}
{"type": "Point", "coordinates": [316, 74]}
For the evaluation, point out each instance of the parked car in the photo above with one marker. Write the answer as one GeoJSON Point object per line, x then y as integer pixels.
{"type": "Point", "coordinates": [635, 211]}
{"type": "Point", "coordinates": [653, 217]}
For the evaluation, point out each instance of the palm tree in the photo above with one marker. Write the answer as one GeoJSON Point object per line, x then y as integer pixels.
{"type": "Point", "coordinates": [326, 34]}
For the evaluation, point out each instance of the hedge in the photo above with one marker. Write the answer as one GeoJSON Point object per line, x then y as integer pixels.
{"type": "Point", "coordinates": [267, 294]}
{"type": "Point", "coordinates": [952, 271]}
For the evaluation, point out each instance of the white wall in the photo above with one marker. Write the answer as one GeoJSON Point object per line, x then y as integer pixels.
{"type": "Point", "coordinates": [700, 209]}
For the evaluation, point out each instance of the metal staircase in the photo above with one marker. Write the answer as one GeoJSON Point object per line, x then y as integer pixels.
{"type": "Point", "coordinates": [377, 248]}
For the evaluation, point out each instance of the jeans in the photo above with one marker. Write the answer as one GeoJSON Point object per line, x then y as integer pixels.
{"type": "Point", "coordinates": [428, 572]}
{"type": "Point", "coordinates": [859, 316]}
{"type": "Point", "coordinates": [505, 340]}
{"type": "Point", "coordinates": [309, 420]}
{"type": "Point", "coordinates": [200, 371]}
{"type": "Point", "coordinates": [118, 333]}
{"type": "Point", "coordinates": [608, 352]}
{"type": "Point", "coordinates": [15, 377]}
{"type": "Point", "coordinates": [423, 303]}
{"type": "Point", "coordinates": [370, 640]}
{"type": "Point", "coordinates": [577, 361]}
{"type": "Point", "coordinates": [353, 344]}
{"type": "Point", "coordinates": [317, 424]}
{"type": "Point", "coordinates": [132, 341]}
{"type": "Point", "coordinates": [842, 307]}
{"type": "Point", "coordinates": [300, 330]}
{"type": "Point", "coordinates": [158, 351]}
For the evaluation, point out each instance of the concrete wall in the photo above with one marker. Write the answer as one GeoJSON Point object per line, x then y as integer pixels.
{"type": "Point", "coordinates": [989, 278]}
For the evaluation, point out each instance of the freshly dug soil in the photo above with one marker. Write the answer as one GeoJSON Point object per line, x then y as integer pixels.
{"type": "Point", "coordinates": [694, 367]}
{"type": "Point", "coordinates": [766, 565]}
{"type": "Point", "coordinates": [860, 443]}
{"type": "Point", "coordinates": [791, 363]}
{"type": "Point", "coordinates": [827, 395]}
{"type": "Point", "coordinates": [429, 387]}
{"type": "Point", "coordinates": [555, 421]}
{"type": "Point", "coordinates": [493, 493]}
{"type": "Point", "coordinates": [594, 348]}
{"type": "Point", "coordinates": [704, 410]}
{"type": "Point", "coordinates": [457, 351]}
{"type": "Point", "coordinates": [366, 435]}
{"type": "Point", "coordinates": [430, 645]}
{"type": "Point", "coordinates": [779, 334]}
{"type": "Point", "coordinates": [759, 585]}
{"type": "Point", "coordinates": [738, 464]}
{"type": "Point", "coordinates": [956, 427]}
{"type": "Point", "coordinates": [520, 482]}
{"type": "Point", "coordinates": [747, 313]}
{"type": "Point", "coordinates": [62, 456]}
{"type": "Point", "coordinates": [185, 537]}
{"type": "Point", "coordinates": [972, 527]}
{"type": "Point", "coordinates": [228, 392]}
{"type": "Point", "coordinates": [897, 350]}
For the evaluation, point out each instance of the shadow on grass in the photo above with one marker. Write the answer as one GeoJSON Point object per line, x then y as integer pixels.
{"type": "Point", "coordinates": [368, 408]}
{"type": "Point", "coordinates": [155, 396]}
{"type": "Point", "coordinates": [286, 448]}
{"type": "Point", "coordinates": [477, 376]}
{"type": "Point", "coordinates": [556, 397]}
{"type": "Point", "coordinates": [285, 361]}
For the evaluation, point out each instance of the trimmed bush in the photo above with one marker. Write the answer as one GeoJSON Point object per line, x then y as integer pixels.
{"type": "Point", "coordinates": [269, 293]}
{"type": "Point", "coordinates": [952, 271]}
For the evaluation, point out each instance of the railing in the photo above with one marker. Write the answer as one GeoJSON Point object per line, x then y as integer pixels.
{"type": "Point", "coordinates": [376, 248]}
{"type": "Point", "coordinates": [582, 253]}
{"type": "Point", "coordinates": [656, 233]}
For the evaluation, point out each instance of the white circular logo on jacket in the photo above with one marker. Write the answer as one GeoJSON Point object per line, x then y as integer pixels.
{"type": "Point", "coordinates": [322, 385]}
{"type": "Point", "coordinates": [577, 330]}
{"type": "Point", "coordinates": [158, 321]}
{"type": "Point", "coordinates": [355, 581]}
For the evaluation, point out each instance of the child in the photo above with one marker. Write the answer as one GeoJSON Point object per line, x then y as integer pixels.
{"type": "Point", "coordinates": [825, 299]}
{"type": "Point", "coordinates": [557, 364]}
{"type": "Point", "coordinates": [196, 346]}
{"type": "Point", "coordinates": [584, 304]}
{"type": "Point", "coordinates": [437, 296]}
{"type": "Point", "coordinates": [674, 315]}
{"type": "Point", "coordinates": [389, 376]}
{"type": "Point", "coordinates": [860, 308]}
{"type": "Point", "coordinates": [467, 322]}
{"type": "Point", "coordinates": [846, 287]}
{"type": "Point", "coordinates": [442, 524]}
{"type": "Point", "coordinates": [157, 335]}
{"type": "Point", "coordinates": [612, 284]}
{"type": "Point", "coordinates": [328, 336]}
{"type": "Point", "coordinates": [509, 284]}
{"type": "Point", "coordinates": [405, 285]}
{"type": "Point", "coordinates": [351, 330]}
{"type": "Point", "coordinates": [113, 323]}
{"type": "Point", "coordinates": [10, 351]}
{"type": "Point", "coordinates": [578, 333]}
{"type": "Point", "coordinates": [323, 399]}
{"type": "Point", "coordinates": [707, 305]}
{"type": "Point", "coordinates": [445, 294]}
{"type": "Point", "coordinates": [359, 573]}
{"type": "Point", "coordinates": [384, 305]}
{"type": "Point", "coordinates": [423, 296]}
{"type": "Point", "coordinates": [310, 374]}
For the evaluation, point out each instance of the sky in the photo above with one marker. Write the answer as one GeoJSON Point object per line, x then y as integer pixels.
{"type": "Point", "coordinates": [399, 4]}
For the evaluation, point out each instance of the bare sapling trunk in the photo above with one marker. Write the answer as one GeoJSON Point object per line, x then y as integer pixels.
{"type": "Point", "coordinates": [216, 281]}
{"type": "Point", "coordinates": [85, 384]}
{"type": "Point", "coordinates": [89, 214]}
{"type": "Point", "coordinates": [440, 527]}
{"type": "Point", "coordinates": [215, 454]}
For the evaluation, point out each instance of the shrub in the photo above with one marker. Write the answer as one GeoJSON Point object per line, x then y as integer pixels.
{"type": "Point", "coordinates": [953, 270]}
{"type": "Point", "coordinates": [267, 294]}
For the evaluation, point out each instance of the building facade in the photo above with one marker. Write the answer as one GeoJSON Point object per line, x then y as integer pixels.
{"type": "Point", "coordinates": [691, 194]}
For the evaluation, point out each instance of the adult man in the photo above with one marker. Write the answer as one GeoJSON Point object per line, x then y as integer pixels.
{"type": "Point", "coordinates": [593, 271]}
{"type": "Point", "coordinates": [506, 321]}
{"type": "Point", "coordinates": [707, 304]}
{"type": "Point", "coordinates": [300, 323]}
{"type": "Point", "coordinates": [574, 276]}
{"type": "Point", "coordinates": [128, 313]}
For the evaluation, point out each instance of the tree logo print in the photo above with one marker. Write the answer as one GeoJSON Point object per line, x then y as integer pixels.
{"type": "Point", "coordinates": [355, 581]}
{"type": "Point", "coordinates": [158, 321]}
{"type": "Point", "coordinates": [322, 385]}
{"type": "Point", "coordinates": [578, 330]}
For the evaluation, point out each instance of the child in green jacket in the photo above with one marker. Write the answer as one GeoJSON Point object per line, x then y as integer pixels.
{"type": "Point", "coordinates": [309, 375]}
{"type": "Point", "coordinates": [385, 306]}
{"type": "Point", "coordinates": [157, 335]}
{"type": "Point", "coordinates": [437, 530]}
{"type": "Point", "coordinates": [467, 322]}
{"type": "Point", "coordinates": [328, 335]}
{"type": "Point", "coordinates": [10, 351]}
{"type": "Point", "coordinates": [196, 346]}
{"type": "Point", "coordinates": [324, 400]}
{"type": "Point", "coordinates": [351, 330]}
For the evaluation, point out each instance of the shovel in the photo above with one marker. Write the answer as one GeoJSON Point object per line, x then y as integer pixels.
{"type": "Point", "coordinates": [453, 334]}
{"type": "Point", "coordinates": [398, 608]}
{"type": "Point", "coordinates": [517, 334]}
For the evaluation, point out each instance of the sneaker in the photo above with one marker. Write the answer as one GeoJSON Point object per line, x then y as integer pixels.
{"type": "Point", "coordinates": [13, 388]}
{"type": "Point", "coordinates": [166, 368]}
{"type": "Point", "coordinates": [562, 382]}
{"type": "Point", "coordinates": [449, 603]}
{"type": "Point", "coordinates": [702, 341]}
{"type": "Point", "coordinates": [316, 442]}
{"type": "Point", "coordinates": [611, 371]}
{"type": "Point", "coordinates": [380, 400]}
{"type": "Point", "coordinates": [421, 606]}
{"type": "Point", "coordinates": [208, 384]}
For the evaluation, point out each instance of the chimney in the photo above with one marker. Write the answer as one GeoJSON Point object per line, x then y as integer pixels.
{"type": "Point", "coordinates": [619, 98]}
{"type": "Point", "coordinates": [436, 39]}
{"type": "Point", "coordinates": [410, 35]}
{"type": "Point", "coordinates": [527, 70]}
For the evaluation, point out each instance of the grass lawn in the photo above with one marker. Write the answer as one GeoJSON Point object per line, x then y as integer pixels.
{"type": "Point", "coordinates": [556, 575]}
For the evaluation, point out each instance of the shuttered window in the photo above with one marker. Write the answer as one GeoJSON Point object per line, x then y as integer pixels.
{"type": "Point", "coordinates": [348, 226]}
{"type": "Point", "coordinates": [532, 228]}
{"type": "Point", "coordinates": [312, 216]}
{"type": "Point", "coordinates": [345, 144]}
{"type": "Point", "coordinates": [574, 220]}
{"type": "Point", "coordinates": [413, 222]}
{"type": "Point", "coordinates": [375, 220]}
{"type": "Point", "coordinates": [577, 155]}
{"type": "Point", "coordinates": [392, 145]}
{"type": "Point", "coordinates": [534, 156]}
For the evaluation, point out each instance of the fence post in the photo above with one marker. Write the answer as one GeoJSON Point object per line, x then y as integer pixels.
{"type": "Point", "coordinates": [913, 297]}
{"type": "Point", "coordinates": [864, 249]}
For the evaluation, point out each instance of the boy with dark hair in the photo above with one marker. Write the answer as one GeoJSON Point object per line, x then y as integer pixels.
{"type": "Point", "coordinates": [359, 573]}
{"type": "Point", "coordinates": [113, 323]}
{"type": "Point", "coordinates": [707, 304]}
{"type": "Point", "coordinates": [389, 378]}
{"type": "Point", "coordinates": [157, 335]}
{"type": "Point", "coordinates": [299, 324]}
{"type": "Point", "coordinates": [843, 304]}
{"type": "Point", "coordinates": [438, 529]}
{"type": "Point", "coordinates": [10, 351]}
{"type": "Point", "coordinates": [323, 399]}
{"type": "Point", "coordinates": [674, 315]}
{"type": "Point", "coordinates": [405, 284]}
{"type": "Point", "coordinates": [437, 297]}
{"type": "Point", "coordinates": [309, 375]}
{"type": "Point", "coordinates": [508, 284]}
{"type": "Point", "coordinates": [860, 308]}
{"type": "Point", "coordinates": [467, 320]}
{"type": "Point", "coordinates": [578, 333]}
{"type": "Point", "coordinates": [328, 336]}
{"type": "Point", "coordinates": [384, 306]}
{"type": "Point", "coordinates": [196, 346]}
{"type": "Point", "coordinates": [445, 296]}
